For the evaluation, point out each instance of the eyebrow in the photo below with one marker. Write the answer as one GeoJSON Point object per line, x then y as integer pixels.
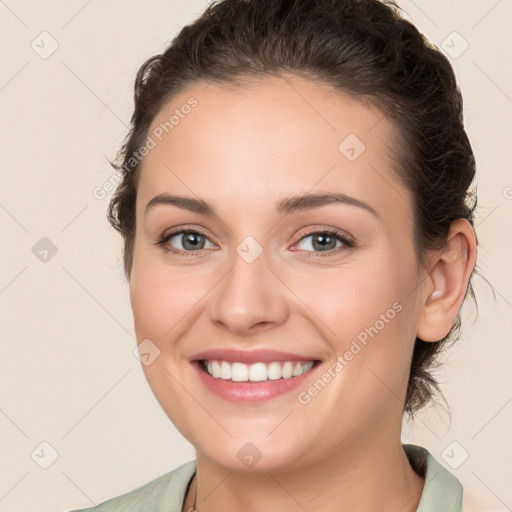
{"type": "Point", "coordinates": [287, 205]}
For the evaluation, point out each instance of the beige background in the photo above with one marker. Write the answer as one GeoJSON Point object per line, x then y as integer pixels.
{"type": "Point", "coordinates": [69, 377]}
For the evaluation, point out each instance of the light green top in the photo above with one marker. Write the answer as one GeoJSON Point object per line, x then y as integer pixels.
{"type": "Point", "coordinates": [442, 491]}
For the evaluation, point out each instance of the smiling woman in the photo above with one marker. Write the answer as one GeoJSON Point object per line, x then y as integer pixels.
{"type": "Point", "coordinates": [298, 249]}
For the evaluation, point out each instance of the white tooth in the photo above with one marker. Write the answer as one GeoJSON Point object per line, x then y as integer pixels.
{"type": "Point", "coordinates": [297, 370]}
{"type": "Point", "coordinates": [225, 370]}
{"type": "Point", "coordinates": [287, 370]}
{"type": "Point", "coordinates": [239, 372]}
{"type": "Point", "coordinates": [307, 367]}
{"type": "Point", "coordinates": [274, 370]}
{"type": "Point", "coordinates": [215, 369]}
{"type": "Point", "coordinates": [257, 372]}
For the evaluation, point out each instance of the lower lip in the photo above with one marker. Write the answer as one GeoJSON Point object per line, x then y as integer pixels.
{"type": "Point", "coordinates": [250, 391]}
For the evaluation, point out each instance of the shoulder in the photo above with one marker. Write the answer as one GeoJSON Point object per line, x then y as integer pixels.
{"type": "Point", "coordinates": [165, 493]}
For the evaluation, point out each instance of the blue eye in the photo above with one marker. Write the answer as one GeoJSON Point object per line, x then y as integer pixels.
{"type": "Point", "coordinates": [324, 243]}
{"type": "Point", "coordinates": [192, 241]}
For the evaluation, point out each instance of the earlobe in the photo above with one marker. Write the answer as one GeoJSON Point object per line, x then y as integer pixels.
{"type": "Point", "coordinates": [445, 287]}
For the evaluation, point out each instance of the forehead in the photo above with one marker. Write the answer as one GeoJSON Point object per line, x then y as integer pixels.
{"type": "Point", "coordinates": [256, 143]}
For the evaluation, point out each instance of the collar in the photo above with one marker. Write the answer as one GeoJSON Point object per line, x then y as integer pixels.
{"type": "Point", "coordinates": [442, 491]}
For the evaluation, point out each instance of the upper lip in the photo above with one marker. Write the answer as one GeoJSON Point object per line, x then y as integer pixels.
{"type": "Point", "coordinates": [250, 356]}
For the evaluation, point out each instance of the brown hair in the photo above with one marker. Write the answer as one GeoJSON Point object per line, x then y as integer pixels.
{"type": "Point", "coordinates": [360, 47]}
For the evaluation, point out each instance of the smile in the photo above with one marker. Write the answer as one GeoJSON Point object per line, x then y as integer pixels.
{"type": "Point", "coordinates": [257, 372]}
{"type": "Point", "coordinates": [253, 376]}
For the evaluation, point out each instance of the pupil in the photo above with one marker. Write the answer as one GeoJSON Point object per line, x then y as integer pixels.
{"type": "Point", "coordinates": [189, 239]}
{"type": "Point", "coordinates": [324, 241]}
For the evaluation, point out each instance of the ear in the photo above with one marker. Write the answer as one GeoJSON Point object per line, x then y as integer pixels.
{"type": "Point", "coordinates": [445, 287]}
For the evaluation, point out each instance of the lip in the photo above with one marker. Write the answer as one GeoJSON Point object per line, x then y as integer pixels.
{"type": "Point", "coordinates": [250, 356]}
{"type": "Point", "coordinates": [252, 392]}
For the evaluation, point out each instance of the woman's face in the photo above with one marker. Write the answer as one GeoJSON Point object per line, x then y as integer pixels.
{"type": "Point", "coordinates": [263, 275]}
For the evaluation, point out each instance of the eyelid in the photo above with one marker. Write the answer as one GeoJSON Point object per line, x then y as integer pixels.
{"type": "Point", "coordinates": [187, 229]}
{"type": "Point", "coordinates": [343, 235]}
{"type": "Point", "coordinates": [179, 231]}
{"type": "Point", "coordinates": [346, 239]}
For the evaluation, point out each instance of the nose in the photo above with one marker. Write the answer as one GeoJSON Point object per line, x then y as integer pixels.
{"type": "Point", "coordinates": [250, 298]}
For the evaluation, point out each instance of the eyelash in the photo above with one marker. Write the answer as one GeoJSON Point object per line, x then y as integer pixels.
{"type": "Point", "coordinates": [342, 237]}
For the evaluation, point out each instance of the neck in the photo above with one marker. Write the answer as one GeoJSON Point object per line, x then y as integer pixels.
{"type": "Point", "coordinates": [369, 476]}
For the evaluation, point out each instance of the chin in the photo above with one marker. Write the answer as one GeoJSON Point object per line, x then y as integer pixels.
{"type": "Point", "coordinates": [243, 455]}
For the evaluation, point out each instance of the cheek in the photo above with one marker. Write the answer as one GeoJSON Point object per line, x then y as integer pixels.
{"type": "Point", "coordinates": [349, 299]}
{"type": "Point", "coordinates": [162, 297]}
{"type": "Point", "coordinates": [149, 310]}
{"type": "Point", "coordinates": [161, 307]}
{"type": "Point", "coordinates": [161, 302]}
{"type": "Point", "coordinates": [369, 316]}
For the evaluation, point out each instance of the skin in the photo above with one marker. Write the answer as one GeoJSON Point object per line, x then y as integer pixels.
{"type": "Point", "coordinates": [241, 150]}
